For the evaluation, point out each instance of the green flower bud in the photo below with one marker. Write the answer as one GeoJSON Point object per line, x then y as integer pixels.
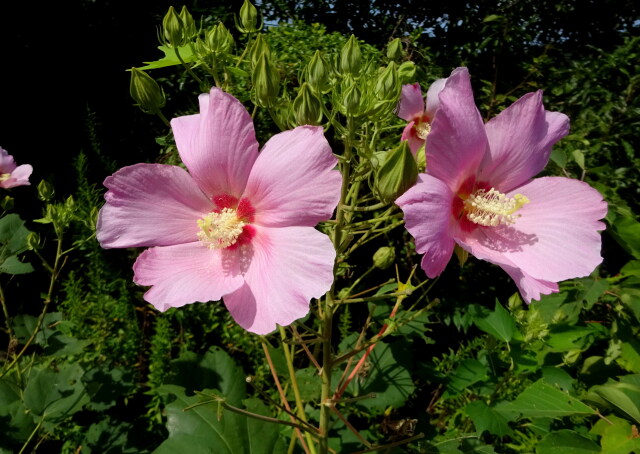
{"type": "Point", "coordinates": [397, 174]}
{"type": "Point", "coordinates": [407, 72]}
{"type": "Point", "coordinates": [384, 257]}
{"type": "Point", "coordinates": [388, 85]}
{"type": "Point", "coordinates": [351, 57]}
{"type": "Point", "coordinates": [318, 73]}
{"type": "Point", "coordinates": [248, 18]}
{"type": "Point", "coordinates": [146, 92]}
{"type": "Point", "coordinates": [33, 241]}
{"type": "Point", "coordinates": [45, 191]}
{"type": "Point", "coordinates": [421, 159]}
{"type": "Point", "coordinates": [189, 29]}
{"type": "Point", "coordinates": [394, 49]}
{"type": "Point", "coordinates": [172, 29]}
{"type": "Point", "coordinates": [266, 81]}
{"type": "Point", "coordinates": [7, 203]}
{"type": "Point", "coordinates": [258, 48]}
{"type": "Point", "coordinates": [307, 108]}
{"type": "Point", "coordinates": [218, 39]}
{"type": "Point", "coordinates": [461, 254]}
{"type": "Point", "coordinates": [351, 97]}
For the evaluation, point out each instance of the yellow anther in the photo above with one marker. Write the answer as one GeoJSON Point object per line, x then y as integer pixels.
{"type": "Point", "coordinates": [5, 176]}
{"type": "Point", "coordinates": [423, 129]}
{"type": "Point", "coordinates": [220, 230]}
{"type": "Point", "coordinates": [492, 208]}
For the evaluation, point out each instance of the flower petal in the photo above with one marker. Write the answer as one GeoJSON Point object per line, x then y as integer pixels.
{"type": "Point", "coordinates": [427, 208]}
{"type": "Point", "coordinates": [409, 134]}
{"type": "Point", "coordinates": [457, 141]}
{"type": "Point", "coordinates": [433, 98]}
{"type": "Point", "coordinates": [556, 237]}
{"type": "Point", "coordinates": [218, 145]}
{"type": "Point", "coordinates": [520, 141]}
{"type": "Point", "coordinates": [530, 288]}
{"type": "Point", "coordinates": [411, 104]}
{"type": "Point", "coordinates": [7, 163]}
{"type": "Point", "coordinates": [186, 273]}
{"type": "Point", "coordinates": [289, 266]}
{"type": "Point", "coordinates": [150, 205]}
{"type": "Point", "coordinates": [293, 181]}
{"type": "Point", "coordinates": [19, 177]}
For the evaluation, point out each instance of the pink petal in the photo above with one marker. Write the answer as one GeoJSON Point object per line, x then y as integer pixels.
{"type": "Point", "coordinates": [427, 208]}
{"type": "Point", "coordinates": [150, 205]}
{"type": "Point", "coordinates": [520, 141]}
{"type": "Point", "coordinates": [19, 177]}
{"type": "Point", "coordinates": [409, 134]}
{"type": "Point", "coordinates": [411, 104]}
{"type": "Point", "coordinates": [186, 273]}
{"type": "Point", "coordinates": [530, 288]}
{"type": "Point", "coordinates": [218, 145]}
{"type": "Point", "coordinates": [293, 181]}
{"type": "Point", "coordinates": [556, 237]}
{"type": "Point", "coordinates": [433, 98]}
{"type": "Point", "coordinates": [7, 163]}
{"type": "Point", "coordinates": [289, 266]}
{"type": "Point", "coordinates": [457, 141]}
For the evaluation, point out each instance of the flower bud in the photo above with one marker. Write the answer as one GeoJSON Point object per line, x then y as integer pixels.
{"type": "Point", "coordinates": [33, 241]}
{"type": "Point", "coordinates": [218, 39]}
{"type": "Point", "coordinates": [421, 159]}
{"type": "Point", "coordinates": [407, 72]}
{"type": "Point", "coordinates": [388, 85]}
{"type": "Point", "coordinates": [266, 81]}
{"type": "Point", "coordinates": [189, 29]}
{"type": "Point", "coordinates": [248, 18]}
{"type": "Point", "coordinates": [45, 191]}
{"type": "Point", "coordinates": [318, 73]}
{"type": "Point", "coordinates": [384, 257]}
{"type": "Point", "coordinates": [146, 92]}
{"type": "Point", "coordinates": [307, 108]}
{"type": "Point", "coordinates": [7, 203]}
{"type": "Point", "coordinates": [351, 57]}
{"type": "Point", "coordinates": [351, 97]}
{"type": "Point", "coordinates": [394, 49]}
{"type": "Point", "coordinates": [172, 29]}
{"type": "Point", "coordinates": [258, 48]}
{"type": "Point", "coordinates": [397, 174]}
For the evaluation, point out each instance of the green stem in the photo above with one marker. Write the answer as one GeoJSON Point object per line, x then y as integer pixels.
{"type": "Point", "coordinates": [188, 68]}
{"type": "Point", "coordinates": [164, 119]}
{"type": "Point", "coordinates": [33, 433]}
{"type": "Point", "coordinates": [6, 316]}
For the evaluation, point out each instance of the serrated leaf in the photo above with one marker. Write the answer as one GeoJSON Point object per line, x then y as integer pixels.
{"type": "Point", "coordinates": [487, 419]}
{"type": "Point", "coordinates": [566, 442]}
{"type": "Point", "coordinates": [498, 323]}
{"type": "Point", "coordinates": [543, 400]}
{"type": "Point", "coordinates": [170, 58]}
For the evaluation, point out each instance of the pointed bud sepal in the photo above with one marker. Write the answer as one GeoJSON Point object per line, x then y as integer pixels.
{"type": "Point", "coordinates": [388, 84]}
{"type": "Point", "coordinates": [172, 29]}
{"type": "Point", "coordinates": [407, 72]}
{"type": "Point", "coordinates": [266, 82]}
{"type": "Point", "coordinates": [394, 49]}
{"type": "Point", "coordinates": [351, 57]}
{"type": "Point", "coordinates": [307, 108]}
{"type": "Point", "coordinates": [189, 29]}
{"type": "Point", "coordinates": [248, 22]}
{"type": "Point", "coordinates": [398, 173]}
{"type": "Point", "coordinates": [319, 73]}
{"type": "Point", "coordinates": [146, 92]}
{"type": "Point", "coordinates": [45, 191]}
{"type": "Point", "coordinates": [384, 257]}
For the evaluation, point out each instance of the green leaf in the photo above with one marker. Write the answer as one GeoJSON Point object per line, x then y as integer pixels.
{"type": "Point", "coordinates": [617, 436]}
{"type": "Point", "coordinates": [170, 58]}
{"type": "Point", "coordinates": [12, 265]}
{"type": "Point", "coordinates": [626, 231]}
{"type": "Point", "coordinates": [623, 396]}
{"type": "Point", "coordinates": [578, 157]}
{"type": "Point", "coordinates": [13, 241]}
{"type": "Point", "coordinates": [198, 430]}
{"type": "Point", "coordinates": [55, 394]}
{"type": "Point", "coordinates": [498, 323]}
{"type": "Point", "coordinates": [487, 419]}
{"type": "Point", "coordinates": [543, 400]}
{"type": "Point", "coordinates": [309, 382]}
{"type": "Point", "coordinates": [468, 372]}
{"type": "Point", "coordinates": [566, 442]}
{"type": "Point", "coordinates": [559, 156]}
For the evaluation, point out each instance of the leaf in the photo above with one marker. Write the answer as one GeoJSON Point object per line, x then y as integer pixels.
{"type": "Point", "coordinates": [559, 156]}
{"type": "Point", "coordinates": [566, 442]}
{"type": "Point", "coordinates": [13, 241]}
{"type": "Point", "coordinates": [170, 58]}
{"type": "Point", "coordinates": [12, 265]}
{"type": "Point", "coordinates": [498, 323]}
{"type": "Point", "coordinates": [543, 400]}
{"type": "Point", "coordinates": [623, 396]}
{"type": "Point", "coordinates": [626, 231]}
{"type": "Point", "coordinates": [468, 372]}
{"type": "Point", "coordinates": [55, 394]}
{"type": "Point", "coordinates": [487, 419]}
{"type": "Point", "coordinates": [198, 430]}
{"type": "Point", "coordinates": [578, 157]}
{"type": "Point", "coordinates": [617, 438]}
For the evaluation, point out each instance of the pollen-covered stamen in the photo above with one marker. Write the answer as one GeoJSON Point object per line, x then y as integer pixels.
{"type": "Point", "coordinates": [4, 177]}
{"type": "Point", "coordinates": [219, 230]}
{"type": "Point", "coordinates": [423, 129]}
{"type": "Point", "coordinates": [492, 208]}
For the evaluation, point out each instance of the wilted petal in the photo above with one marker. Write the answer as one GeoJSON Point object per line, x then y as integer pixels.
{"type": "Point", "coordinates": [427, 215]}
{"type": "Point", "coordinates": [185, 274]}
{"type": "Point", "coordinates": [457, 141]}
{"type": "Point", "coordinates": [520, 141]}
{"type": "Point", "coordinates": [150, 205]}
{"type": "Point", "coordinates": [293, 181]}
{"type": "Point", "coordinates": [218, 145]}
{"type": "Point", "coordinates": [289, 266]}
{"type": "Point", "coordinates": [411, 104]}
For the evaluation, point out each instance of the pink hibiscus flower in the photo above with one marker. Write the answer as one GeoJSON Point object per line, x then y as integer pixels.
{"type": "Point", "coordinates": [239, 226]}
{"type": "Point", "coordinates": [479, 193]}
{"type": "Point", "coordinates": [12, 175]}
{"type": "Point", "coordinates": [411, 107]}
